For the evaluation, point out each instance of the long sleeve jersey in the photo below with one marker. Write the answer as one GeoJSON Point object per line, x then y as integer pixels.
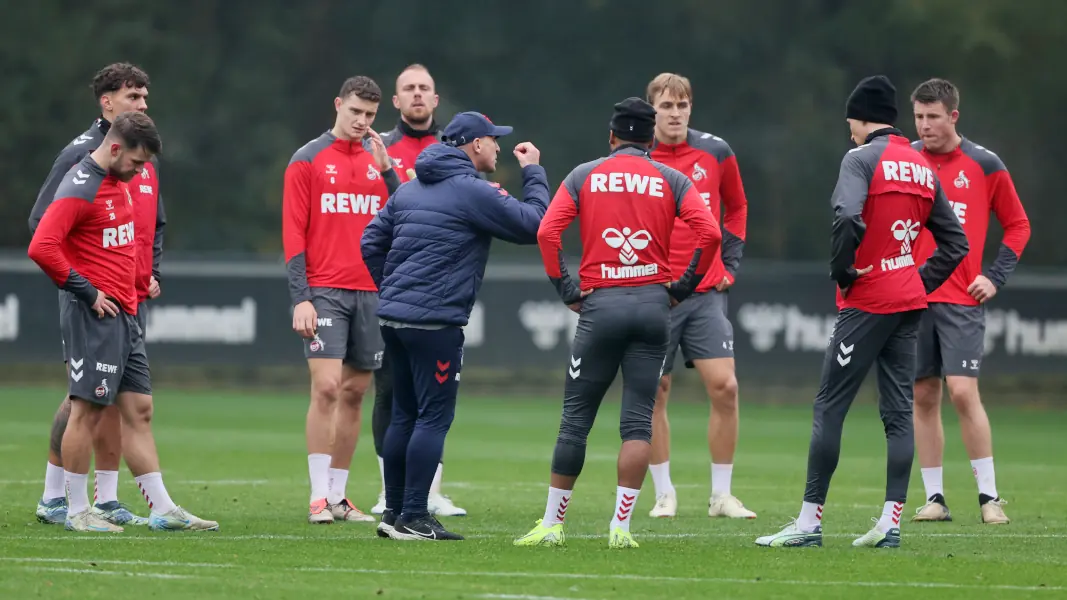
{"type": "Point", "coordinates": [626, 205]}
{"type": "Point", "coordinates": [976, 183]}
{"type": "Point", "coordinates": [885, 196]}
{"type": "Point", "coordinates": [85, 241]}
{"type": "Point", "coordinates": [149, 217]}
{"type": "Point", "coordinates": [712, 167]}
{"type": "Point", "coordinates": [332, 191]}
{"type": "Point", "coordinates": [404, 145]}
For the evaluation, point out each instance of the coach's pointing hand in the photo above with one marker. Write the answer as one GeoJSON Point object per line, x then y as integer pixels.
{"type": "Point", "coordinates": [304, 317]}
{"type": "Point", "coordinates": [104, 305]}
{"type": "Point", "coordinates": [527, 154]}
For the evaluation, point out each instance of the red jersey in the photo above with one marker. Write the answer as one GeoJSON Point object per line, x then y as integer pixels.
{"type": "Point", "coordinates": [626, 205]}
{"type": "Point", "coordinates": [148, 221]}
{"type": "Point", "coordinates": [976, 183]}
{"type": "Point", "coordinates": [332, 190]}
{"type": "Point", "coordinates": [404, 145]}
{"type": "Point", "coordinates": [885, 195]}
{"type": "Point", "coordinates": [712, 167]}
{"type": "Point", "coordinates": [149, 217]}
{"type": "Point", "coordinates": [85, 241]}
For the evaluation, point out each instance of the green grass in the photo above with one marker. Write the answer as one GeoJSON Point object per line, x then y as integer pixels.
{"type": "Point", "coordinates": [240, 459]}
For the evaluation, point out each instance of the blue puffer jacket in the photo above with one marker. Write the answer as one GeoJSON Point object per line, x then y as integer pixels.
{"type": "Point", "coordinates": [427, 248]}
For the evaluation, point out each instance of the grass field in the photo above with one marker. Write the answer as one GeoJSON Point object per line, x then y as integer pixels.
{"type": "Point", "coordinates": [240, 459]}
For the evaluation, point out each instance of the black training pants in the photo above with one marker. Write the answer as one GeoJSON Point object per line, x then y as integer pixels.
{"type": "Point", "coordinates": [859, 341]}
{"type": "Point", "coordinates": [618, 327]}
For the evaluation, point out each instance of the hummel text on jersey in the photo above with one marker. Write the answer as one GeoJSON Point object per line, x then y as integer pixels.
{"type": "Point", "coordinates": [628, 272]}
{"type": "Point", "coordinates": [897, 262]}
{"type": "Point", "coordinates": [908, 172]}
{"type": "Point", "coordinates": [358, 204]}
{"type": "Point", "coordinates": [626, 182]}
{"type": "Point", "coordinates": [118, 236]}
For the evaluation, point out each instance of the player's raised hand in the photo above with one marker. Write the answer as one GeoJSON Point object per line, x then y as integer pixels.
{"type": "Point", "coordinates": [527, 154]}
{"type": "Point", "coordinates": [304, 318]}
{"type": "Point", "coordinates": [104, 306]}
{"type": "Point", "coordinates": [381, 155]}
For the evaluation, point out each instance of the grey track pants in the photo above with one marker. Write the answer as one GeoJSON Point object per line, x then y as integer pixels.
{"type": "Point", "coordinates": [618, 327]}
{"type": "Point", "coordinates": [859, 341]}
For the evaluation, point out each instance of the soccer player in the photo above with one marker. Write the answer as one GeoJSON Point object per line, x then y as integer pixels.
{"type": "Point", "coordinates": [885, 196]}
{"type": "Point", "coordinates": [952, 332]}
{"type": "Point", "coordinates": [85, 242]}
{"type": "Point", "coordinates": [416, 99]}
{"type": "Point", "coordinates": [427, 250]}
{"type": "Point", "coordinates": [626, 205]}
{"type": "Point", "coordinates": [118, 88]}
{"type": "Point", "coordinates": [333, 188]}
{"type": "Point", "coordinates": [699, 325]}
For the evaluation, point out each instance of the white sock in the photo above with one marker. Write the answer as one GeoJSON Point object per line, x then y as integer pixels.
{"type": "Point", "coordinates": [338, 482]}
{"type": "Point", "coordinates": [435, 485]}
{"type": "Point", "coordinates": [556, 508]}
{"type": "Point", "coordinates": [107, 487]}
{"type": "Point", "coordinates": [625, 499]}
{"type": "Point", "coordinates": [810, 517]}
{"type": "Point", "coordinates": [932, 481]}
{"type": "Point", "coordinates": [77, 485]}
{"type": "Point", "coordinates": [890, 516]}
{"type": "Point", "coordinates": [381, 471]}
{"type": "Point", "coordinates": [661, 478]}
{"type": "Point", "coordinates": [155, 493]}
{"type": "Point", "coordinates": [984, 475]}
{"type": "Point", "coordinates": [55, 484]}
{"type": "Point", "coordinates": [319, 473]}
{"type": "Point", "coordinates": [720, 479]}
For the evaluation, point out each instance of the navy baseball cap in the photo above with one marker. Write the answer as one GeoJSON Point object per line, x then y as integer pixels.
{"type": "Point", "coordinates": [469, 126]}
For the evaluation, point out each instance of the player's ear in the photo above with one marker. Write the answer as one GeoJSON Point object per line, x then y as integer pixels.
{"type": "Point", "coordinates": [337, 104]}
{"type": "Point", "coordinates": [396, 102]}
{"type": "Point", "coordinates": [116, 148]}
{"type": "Point", "coordinates": [954, 116]}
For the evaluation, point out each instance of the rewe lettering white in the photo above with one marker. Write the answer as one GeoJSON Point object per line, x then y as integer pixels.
{"type": "Point", "coordinates": [118, 236]}
{"type": "Point", "coordinates": [960, 208]}
{"type": "Point", "coordinates": [908, 172]}
{"type": "Point", "coordinates": [626, 182]}
{"type": "Point", "coordinates": [357, 204]}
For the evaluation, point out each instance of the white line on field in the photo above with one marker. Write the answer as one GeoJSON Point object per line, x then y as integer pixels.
{"type": "Point", "coordinates": [670, 579]}
{"type": "Point", "coordinates": [123, 573]}
{"type": "Point", "coordinates": [141, 563]}
{"type": "Point", "coordinates": [524, 597]}
{"type": "Point", "coordinates": [252, 482]}
{"type": "Point", "coordinates": [595, 576]}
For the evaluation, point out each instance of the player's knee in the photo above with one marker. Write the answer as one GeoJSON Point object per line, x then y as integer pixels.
{"type": "Point", "coordinates": [568, 458]}
{"type": "Point", "coordinates": [325, 389]}
{"type": "Point", "coordinates": [633, 430]}
{"type": "Point", "coordinates": [928, 394]}
{"type": "Point", "coordinates": [353, 389]}
{"type": "Point", "coordinates": [963, 391]}
{"type": "Point", "coordinates": [723, 393]}
{"type": "Point", "coordinates": [137, 410]}
{"type": "Point", "coordinates": [574, 431]}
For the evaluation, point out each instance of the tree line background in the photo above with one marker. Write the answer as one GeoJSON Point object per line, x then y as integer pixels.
{"type": "Point", "coordinates": [239, 85]}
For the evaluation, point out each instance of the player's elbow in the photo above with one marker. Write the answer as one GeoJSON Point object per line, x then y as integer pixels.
{"type": "Point", "coordinates": [36, 251]}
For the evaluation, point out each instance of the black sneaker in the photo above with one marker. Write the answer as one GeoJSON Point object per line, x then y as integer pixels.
{"type": "Point", "coordinates": [387, 525]}
{"type": "Point", "coordinates": [424, 528]}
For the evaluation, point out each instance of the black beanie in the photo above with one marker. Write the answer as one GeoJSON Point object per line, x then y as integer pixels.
{"type": "Point", "coordinates": [874, 100]}
{"type": "Point", "coordinates": [634, 120]}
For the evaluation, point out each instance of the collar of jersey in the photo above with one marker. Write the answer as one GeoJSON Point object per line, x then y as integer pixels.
{"type": "Point", "coordinates": [630, 150]}
{"type": "Point", "coordinates": [409, 131]}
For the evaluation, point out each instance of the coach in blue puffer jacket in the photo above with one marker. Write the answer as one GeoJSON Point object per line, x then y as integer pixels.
{"type": "Point", "coordinates": [426, 250]}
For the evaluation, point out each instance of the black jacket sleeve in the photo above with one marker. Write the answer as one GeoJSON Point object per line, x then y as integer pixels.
{"type": "Point", "coordinates": [951, 242]}
{"type": "Point", "coordinates": [848, 200]}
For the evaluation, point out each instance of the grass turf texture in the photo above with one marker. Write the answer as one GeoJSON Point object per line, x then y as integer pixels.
{"type": "Point", "coordinates": [239, 458]}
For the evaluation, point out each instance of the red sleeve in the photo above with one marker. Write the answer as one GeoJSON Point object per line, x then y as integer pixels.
{"type": "Point", "coordinates": [735, 216]}
{"type": "Point", "coordinates": [296, 201]}
{"type": "Point", "coordinates": [1008, 210]}
{"type": "Point", "coordinates": [561, 212]}
{"type": "Point", "coordinates": [695, 213]}
{"type": "Point", "coordinates": [46, 246]}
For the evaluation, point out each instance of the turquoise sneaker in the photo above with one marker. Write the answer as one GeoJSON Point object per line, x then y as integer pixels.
{"type": "Point", "coordinates": [53, 512]}
{"type": "Point", "coordinates": [118, 514]}
{"type": "Point", "coordinates": [792, 537]}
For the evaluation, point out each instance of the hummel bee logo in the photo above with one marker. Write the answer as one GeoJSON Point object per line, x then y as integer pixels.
{"type": "Point", "coordinates": [845, 355]}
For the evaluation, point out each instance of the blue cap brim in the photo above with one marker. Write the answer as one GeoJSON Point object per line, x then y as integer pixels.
{"type": "Point", "coordinates": [500, 130]}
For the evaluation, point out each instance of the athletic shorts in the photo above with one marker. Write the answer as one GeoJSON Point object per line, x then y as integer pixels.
{"type": "Point", "coordinates": [105, 356]}
{"type": "Point", "coordinates": [347, 328]}
{"type": "Point", "coordinates": [699, 326]}
{"type": "Point", "coordinates": [951, 341]}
